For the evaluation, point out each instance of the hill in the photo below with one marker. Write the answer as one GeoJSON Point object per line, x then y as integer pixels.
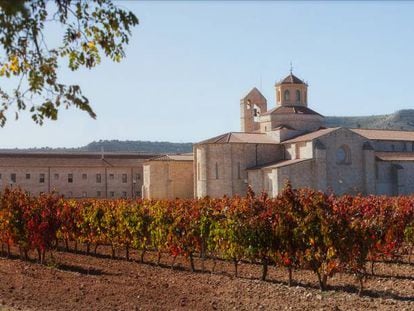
{"type": "Point", "coordinates": [399, 120]}
{"type": "Point", "coordinates": [137, 146]}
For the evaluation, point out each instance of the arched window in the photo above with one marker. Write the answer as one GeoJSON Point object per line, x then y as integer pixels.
{"type": "Point", "coordinates": [297, 95]}
{"type": "Point", "coordinates": [343, 155]}
{"type": "Point", "coordinates": [286, 95]}
{"type": "Point", "coordinates": [217, 171]}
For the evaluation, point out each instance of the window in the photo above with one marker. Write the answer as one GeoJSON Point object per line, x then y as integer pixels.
{"type": "Point", "coordinates": [124, 178]}
{"type": "Point", "coordinates": [98, 178]}
{"type": "Point", "coordinates": [98, 194]}
{"type": "Point", "coordinates": [84, 176]}
{"type": "Point", "coordinates": [297, 95]}
{"type": "Point", "coordinates": [124, 194]}
{"type": "Point", "coordinates": [343, 155]}
{"type": "Point", "coordinates": [13, 177]}
{"type": "Point", "coordinates": [111, 176]}
{"type": "Point", "coordinates": [286, 95]}
{"type": "Point", "coordinates": [217, 171]}
{"type": "Point", "coordinates": [238, 171]}
{"type": "Point", "coordinates": [138, 176]}
{"type": "Point", "coordinates": [27, 176]}
{"type": "Point", "coordinates": [56, 176]}
{"type": "Point", "coordinates": [42, 178]}
{"type": "Point", "coordinates": [111, 194]}
{"type": "Point", "coordinates": [138, 193]}
{"type": "Point", "coordinates": [0, 176]}
{"type": "Point", "coordinates": [70, 178]}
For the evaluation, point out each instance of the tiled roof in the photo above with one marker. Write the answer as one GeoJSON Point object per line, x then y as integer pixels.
{"type": "Point", "coordinates": [51, 159]}
{"type": "Point", "coordinates": [291, 110]}
{"type": "Point", "coordinates": [385, 134]}
{"type": "Point", "coordinates": [175, 157]}
{"type": "Point", "coordinates": [395, 156]}
{"type": "Point", "coordinates": [291, 79]}
{"type": "Point", "coordinates": [241, 138]}
{"type": "Point", "coordinates": [283, 126]}
{"type": "Point", "coordinates": [311, 136]}
{"type": "Point", "coordinates": [278, 164]}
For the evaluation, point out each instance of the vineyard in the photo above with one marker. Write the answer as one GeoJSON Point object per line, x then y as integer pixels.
{"type": "Point", "coordinates": [300, 229]}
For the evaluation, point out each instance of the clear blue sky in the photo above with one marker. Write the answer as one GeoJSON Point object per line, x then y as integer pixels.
{"type": "Point", "coordinates": [189, 63]}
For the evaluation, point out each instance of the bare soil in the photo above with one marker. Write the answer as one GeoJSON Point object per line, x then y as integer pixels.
{"type": "Point", "coordinates": [80, 282]}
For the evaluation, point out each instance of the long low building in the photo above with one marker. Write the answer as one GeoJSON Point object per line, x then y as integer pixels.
{"type": "Point", "coordinates": [74, 175]}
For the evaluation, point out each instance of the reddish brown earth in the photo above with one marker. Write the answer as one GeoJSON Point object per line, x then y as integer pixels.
{"type": "Point", "coordinates": [80, 282]}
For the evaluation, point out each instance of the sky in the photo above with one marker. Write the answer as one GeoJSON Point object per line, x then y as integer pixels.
{"type": "Point", "coordinates": [189, 63]}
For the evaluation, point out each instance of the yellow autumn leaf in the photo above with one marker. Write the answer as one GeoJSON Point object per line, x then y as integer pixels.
{"type": "Point", "coordinates": [14, 64]}
{"type": "Point", "coordinates": [92, 45]}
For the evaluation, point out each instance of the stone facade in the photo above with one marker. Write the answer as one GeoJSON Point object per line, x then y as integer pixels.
{"type": "Point", "coordinates": [74, 175]}
{"type": "Point", "coordinates": [169, 177]}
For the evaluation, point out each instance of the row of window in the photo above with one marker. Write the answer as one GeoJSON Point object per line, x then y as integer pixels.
{"type": "Point", "coordinates": [286, 96]}
{"type": "Point", "coordinates": [99, 194]}
{"type": "Point", "coordinates": [56, 176]}
{"type": "Point", "coordinates": [111, 194]}
{"type": "Point", "coordinates": [217, 171]}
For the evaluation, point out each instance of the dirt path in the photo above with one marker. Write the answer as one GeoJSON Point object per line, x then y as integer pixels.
{"type": "Point", "coordinates": [80, 282]}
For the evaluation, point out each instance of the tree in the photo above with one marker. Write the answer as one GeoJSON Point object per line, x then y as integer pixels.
{"type": "Point", "coordinates": [91, 28]}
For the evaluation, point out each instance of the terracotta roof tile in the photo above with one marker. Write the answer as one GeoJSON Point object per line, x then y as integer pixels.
{"type": "Point", "coordinates": [241, 138]}
{"type": "Point", "coordinates": [174, 157]}
{"type": "Point", "coordinates": [385, 134]}
{"type": "Point", "coordinates": [291, 110]}
{"type": "Point", "coordinates": [311, 136]}
{"type": "Point", "coordinates": [395, 156]}
{"type": "Point", "coordinates": [283, 126]}
{"type": "Point", "coordinates": [42, 159]}
{"type": "Point", "coordinates": [291, 79]}
{"type": "Point", "coordinates": [278, 164]}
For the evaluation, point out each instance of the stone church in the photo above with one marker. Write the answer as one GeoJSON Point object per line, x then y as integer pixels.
{"type": "Point", "coordinates": [290, 142]}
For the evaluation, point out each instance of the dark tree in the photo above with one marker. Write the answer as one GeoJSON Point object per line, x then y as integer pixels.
{"type": "Point", "coordinates": [31, 61]}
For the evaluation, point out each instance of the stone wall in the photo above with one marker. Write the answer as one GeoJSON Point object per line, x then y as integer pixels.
{"type": "Point", "coordinates": [347, 177]}
{"type": "Point", "coordinates": [300, 175]}
{"type": "Point", "coordinates": [221, 168]}
{"type": "Point", "coordinates": [165, 179]}
{"type": "Point", "coordinates": [304, 123]}
{"type": "Point", "coordinates": [395, 177]}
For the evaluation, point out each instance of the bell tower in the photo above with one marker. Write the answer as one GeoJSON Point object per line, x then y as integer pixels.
{"type": "Point", "coordinates": [252, 106]}
{"type": "Point", "coordinates": [291, 91]}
